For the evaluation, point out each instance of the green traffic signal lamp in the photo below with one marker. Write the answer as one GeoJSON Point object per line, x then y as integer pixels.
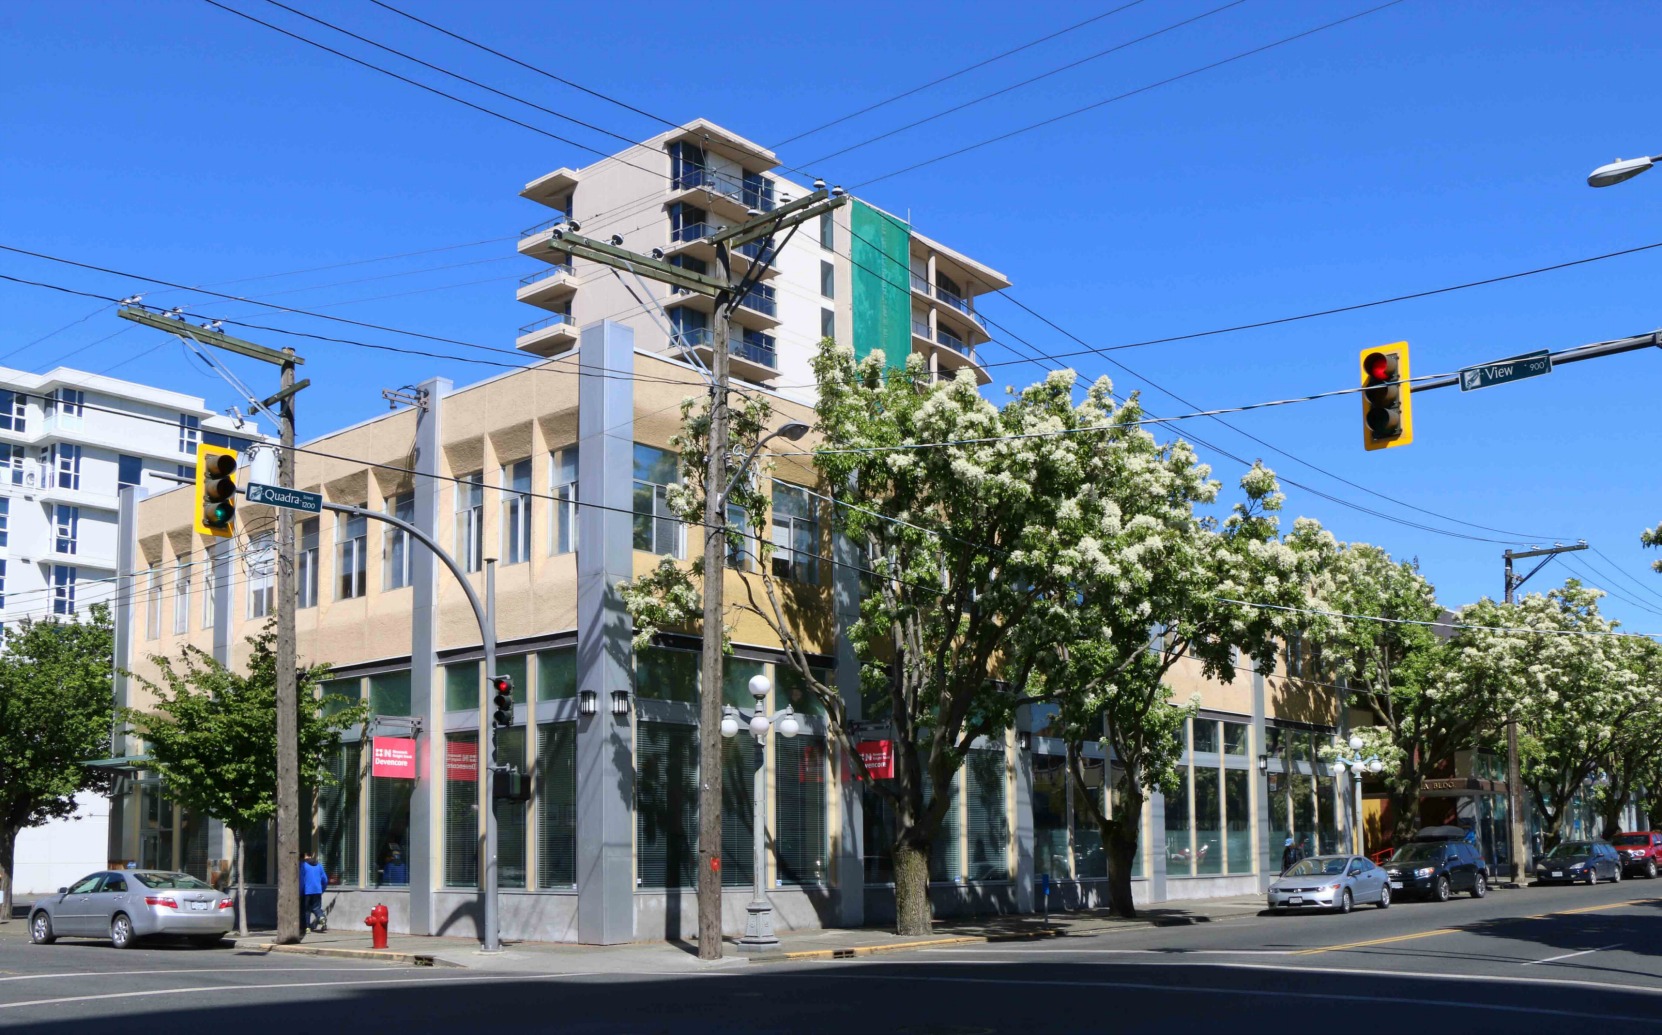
{"type": "Point", "coordinates": [216, 487]}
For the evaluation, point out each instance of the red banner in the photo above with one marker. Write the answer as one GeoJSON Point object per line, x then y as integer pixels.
{"type": "Point", "coordinates": [878, 755]}
{"type": "Point", "coordinates": [461, 761]}
{"type": "Point", "coordinates": [393, 756]}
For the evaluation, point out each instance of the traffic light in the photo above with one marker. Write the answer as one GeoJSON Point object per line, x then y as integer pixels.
{"type": "Point", "coordinates": [216, 488]}
{"type": "Point", "coordinates": [1387, 415]}
{"type": "Point", "coordinates": [509, 784]}
{"type": "Point", "coordinates": [502, 701]}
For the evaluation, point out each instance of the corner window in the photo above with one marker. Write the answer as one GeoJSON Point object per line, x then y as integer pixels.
{"type": "Point", "coordinates": [71, 403]}
{"type": "Point", "coordinates": [656, 528]}
{"type": "Point", "coordinates": [14, 411]}
{"type": "Point", "coordinates": [190, 432]}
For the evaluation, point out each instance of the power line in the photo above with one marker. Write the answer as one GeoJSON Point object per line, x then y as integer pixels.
{"type": "Point", "coordinates": [1438, 625]}
{"type": "Point", "coordinates": [1124, 96]}
{"type": "Point", "coordinates": [1619, 570]}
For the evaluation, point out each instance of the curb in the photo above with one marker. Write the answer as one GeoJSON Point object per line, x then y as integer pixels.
{"type": "Point", "coordinates": [414, 959]}
{"type": "Point", "coordinates": [982, 939]}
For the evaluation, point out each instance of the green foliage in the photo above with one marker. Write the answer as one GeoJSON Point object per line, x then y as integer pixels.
{"type": "Point", "coordinates": [213, 733]}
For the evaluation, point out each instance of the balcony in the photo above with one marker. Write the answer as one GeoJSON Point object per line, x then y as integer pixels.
{"type": "Point", "coordinates": [548, 289]}
{"type": "Point", "coordinates": [537, 241]}
{"type": "Point", "coordinates": [947, 300]}
{"type": "Point", "coordinates": [725, 192]}
{"type": "Point", "coordinates": [750, 360]}
{"type": "Point", "coordinates": [548, 337]}
{"type": "Point", "coordinates": [692, 240]}
{"type": "Point", "coordinates": [946, 351]}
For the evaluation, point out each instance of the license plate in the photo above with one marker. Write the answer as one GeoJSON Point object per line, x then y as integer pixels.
{"type": "Point", "coordinates": [1295, 901]}
{"type": "Point", "coordinates": [1558, 873]}
{"type": "Point", "coordinates": [202, 906]}
{"type": "Point", "coordinates": [1396, 884]}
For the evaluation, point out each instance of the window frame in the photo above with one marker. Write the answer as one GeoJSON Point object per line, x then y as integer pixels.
{"type": "Point", "coordinates": [470, 520]}
{"type": "Point", "coordinates": [351, 557]}
{"type": "Point", "coordinates": [517, 512]}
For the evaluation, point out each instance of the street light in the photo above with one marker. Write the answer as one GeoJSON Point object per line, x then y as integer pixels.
{"type": "Point", "coordinates": [1356, 764]}
{"type": "Point", "coordinates": [758, 926]}
{"type": "Point", "coordinates": [1619, 170]}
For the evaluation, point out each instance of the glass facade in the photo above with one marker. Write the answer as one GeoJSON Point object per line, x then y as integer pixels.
{"type": "Point", "coordinates": [556, 805]}
{"type": "Point", "coordinates": [800, 773]}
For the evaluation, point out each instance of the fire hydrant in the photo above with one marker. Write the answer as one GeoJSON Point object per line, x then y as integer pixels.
{"type": "Point", "coordinates": [377, 921]}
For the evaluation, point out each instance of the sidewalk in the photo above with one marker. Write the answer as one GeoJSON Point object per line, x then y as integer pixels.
{"type": "Point", "coordinates": [681, 957]}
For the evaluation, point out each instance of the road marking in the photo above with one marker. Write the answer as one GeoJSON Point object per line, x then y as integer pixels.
{"type": "Point", "coordinates": [1377, 941]}
{"type": "Point", "coordinates": [1570, 955]}
{"type": "Point", "coordinates": [1070, 951]}
{"type": "Point", "coordinates": [1594, 909]}
{"type": "Point", "coordinates": [202, 970]}
{"type": "Point", "coordinates": [1500, 979]}
{"type": "Point", "coordinates": [425, 980]}
{"type": "Point", "coordinates": [860, 975]}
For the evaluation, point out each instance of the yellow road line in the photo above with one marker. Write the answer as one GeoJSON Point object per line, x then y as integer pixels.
{"type": "Point", "coordinates": [1593, 909]}
{"type": "Point", "coordinates": [1378, 941]}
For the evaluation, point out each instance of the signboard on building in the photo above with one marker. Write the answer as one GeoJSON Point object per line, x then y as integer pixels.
{"type": "Point", "coordinates": [461, 761]}
{"type": "Point", "coordinates": [878, 755]}
{"type": "Point", "coordinates": [393, 756]}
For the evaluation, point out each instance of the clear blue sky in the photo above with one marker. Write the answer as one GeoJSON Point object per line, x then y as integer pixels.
{"type": "Point", "coordinates": [1423, 145]}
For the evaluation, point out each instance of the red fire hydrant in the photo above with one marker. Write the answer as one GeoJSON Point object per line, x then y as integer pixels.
{"type": "Point", "coordinates": [377, 921]}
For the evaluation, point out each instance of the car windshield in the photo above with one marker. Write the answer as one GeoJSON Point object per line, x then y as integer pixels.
{"type": "Point", "coordinates": [1570, 850]}
{"type": "Point", "coordinates": [1418, 853]}
{"type": "Point", "coordinates": [1330, 867]}
{"type": "Point", "coordinates": [170, 881]}
{"type": "Point", "coordinates": [1631, 840]}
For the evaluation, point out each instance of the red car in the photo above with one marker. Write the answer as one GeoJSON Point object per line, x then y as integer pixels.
{"type": "Point", "coordinates": [1639, 851]}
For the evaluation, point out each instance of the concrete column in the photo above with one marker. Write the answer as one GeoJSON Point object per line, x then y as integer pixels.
{"type": "Point", "coordinates": [424, 629]}
{"type": "Point", "coordinates": [127, 590]}
{"type": "Point", "coordinates": [222, 556]}
{"type": "Point", "coordinates": [1269, 847]}
{"type": "Point", "coordinates": [850, 842]}
{"type": "Point", "coordinates": [605, 557]}
{"type": "Point", "coordinates": [1026, 895]}
{"type": "Point", "coordinates": [1157, 842]}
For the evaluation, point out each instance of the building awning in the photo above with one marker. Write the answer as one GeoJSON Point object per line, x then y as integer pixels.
{"type": "Point", "coordinates": [127, 762]}
{"type": "Point", "coordinates": [1462, 787]}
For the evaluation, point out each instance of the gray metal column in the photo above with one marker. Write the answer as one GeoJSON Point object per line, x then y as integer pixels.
{"type": "Point", "coordinates": [605, 557]}
{"type": "Point", "coordinates": [126, 591]}
{"type": "Point", "coordinates": [1027, 896]}
{"type": "Point", "coordinates": [222, 556]}
{"type": "Point", "coordinates": [424, 628]}
{"type": "Point", "coordinates": [851, 872]}
{"type": "Point", "coordinates": [1269, 847]}
{"type": "Point", "coordinates": [1157, 837]}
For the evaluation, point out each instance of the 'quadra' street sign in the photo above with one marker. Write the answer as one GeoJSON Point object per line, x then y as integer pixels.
{"type": "Point", "coordinates": [291, 499]}
{"type": "Point", "coordinates": [1533, 365]}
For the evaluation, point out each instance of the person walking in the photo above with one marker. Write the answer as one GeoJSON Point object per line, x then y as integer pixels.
{"type": "Point", "coordinates": [313, 882]}
{"type": "Point", "coordinates": [1289, 855]}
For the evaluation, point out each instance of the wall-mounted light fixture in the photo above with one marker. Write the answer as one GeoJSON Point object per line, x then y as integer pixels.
{"type": "Point", "coordinates": [620, 702]}
{"type": "Point", "coordinates": [587, 703]}
{"type": "Point", "coordinates": [1024, 740]}
{"type": "Point", "coordinates": [1263, 763]}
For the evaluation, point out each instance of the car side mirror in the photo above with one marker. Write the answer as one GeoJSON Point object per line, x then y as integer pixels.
{"type": "Point", "coordinates": [63, 891]}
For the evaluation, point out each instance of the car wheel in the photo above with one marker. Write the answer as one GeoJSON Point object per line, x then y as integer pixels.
{"type": "Point", "coordinates": [40, 929]}
{"type": "Point", "coordinates": [1385, 897]}
{"type": "Point", "coordinates": [1441, 891]}
{"type": "Point", "coordinates": [1344, 901]}
{"type": "Point", "coordinates": [1650, 869]}
{"type": "Point", "coordinates": [1480, 886]}
{"type": "Point", "coordinates": [121, 932]}
{"type": "Point", "coordinates": [1617, 879]}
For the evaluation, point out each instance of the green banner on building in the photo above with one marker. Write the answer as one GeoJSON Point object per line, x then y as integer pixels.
{"type": "Point", "coordinates": [882, 297]}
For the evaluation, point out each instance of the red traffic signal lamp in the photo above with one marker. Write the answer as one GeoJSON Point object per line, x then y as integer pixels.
{"type": "Point", "coordinates": [502, 701]}
{"type": "Point", "coordinates": [216, 488]}
{"type": "Point", "coordinates": [1387, 413]}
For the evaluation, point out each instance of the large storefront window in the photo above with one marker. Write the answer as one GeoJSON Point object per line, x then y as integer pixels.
{"type": "Point", "coordinates": [878, 821]}
{"type": "Point", "coordinates": [800, 841]}
{"type": "Point", "coordinates": [389, 693]}
{"type": "Point", "coordinates": [1179, 849]}
{"type": "Point", "coordinates": [556, 805]}
{"type": "Point", "coordinates": [461, 687]}
{"type": "Point", "coordinates": [1050, 817]}
{"type": "Point", "coordinates": [666, 675]}
{"type": "Point", "coordinates": [666, 803]}
{"type": "Point", "coordinates": [791, 689]}
{"type": "Point", "coordinates": [988, 823]}
{"type": "Point", "coordinates": [556, 674]}
{"type": "Point", "coordinates": [1237, 798]}
{"type": "Point", "coordinates": [389, 829]}
{"type": "Point", "coordinates": [461, 809]}
{"type": "Point", "coordinates": [740, 756]}
{"type": "Point", "coordinates": [1090, 857]}
{"type": "Point", "coordinates": [945, 865]}
{"type": "Point", "coordinates": [338, 813]}
{"type": "Point", "coordinates": [511, 816]}
{"type": "Point", "coordinates": [1208, 816]}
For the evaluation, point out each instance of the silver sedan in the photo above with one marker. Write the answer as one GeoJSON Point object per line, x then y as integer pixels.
{"type": "Point", "coordinates": [1336, 882]}
{"type": "Point", "coordinates": [126, 905]}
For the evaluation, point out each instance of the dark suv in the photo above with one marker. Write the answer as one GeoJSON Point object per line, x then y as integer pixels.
{"type": "Point", "coordinates": [1641, 852]}
{"type": "Point", "coordinates": [1438, 869]}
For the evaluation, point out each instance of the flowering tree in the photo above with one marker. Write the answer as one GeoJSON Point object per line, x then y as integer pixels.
{"type": "Point", "coordinates": [972, 526]}
{"type": "Point", "coordinates": [1569, 680]}
{"type": "Point", "coordinates": [1632, 760]}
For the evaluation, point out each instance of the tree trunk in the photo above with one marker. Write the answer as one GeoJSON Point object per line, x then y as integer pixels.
{"type": "Point", "coordinates": [242, 885]}
{"type": "Point", "coordinates": [1120, 839]}
{"type": "Point", "coordinates": [8, 846]}
{"type": "Point", "coordinates": [912, 911]}
{"type": "Point", "coordinates": [1405, 808]}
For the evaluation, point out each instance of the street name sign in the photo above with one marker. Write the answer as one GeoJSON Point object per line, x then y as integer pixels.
{"type": "Point", "coordinates": [291, 499]}
{"type": "Point", "coordinates": [1533, 365]}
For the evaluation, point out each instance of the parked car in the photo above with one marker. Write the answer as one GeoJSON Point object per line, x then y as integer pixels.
{"type": "Point", "coordinates": [1336, 882]}
{"type": "Point", "coordinates": [1437, 869]}
{"type": "Point", "coordinates": [1570, 861]}
{"type": "Point", "coordinates": [1639, 852]}
{"type": "Point", "coordinates": [126, 905]}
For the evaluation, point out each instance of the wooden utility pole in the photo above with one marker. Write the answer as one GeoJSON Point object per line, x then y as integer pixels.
{"type": "Point", "coordinates": [288, 697]}
{"type": "Point", "coordinates": [727, 293]}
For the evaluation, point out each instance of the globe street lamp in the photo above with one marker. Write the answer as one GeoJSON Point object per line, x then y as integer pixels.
{"type": "Point", "coordinates": [1619, 170]}
{"type": "Point", "coordinates": [1356, 764]}
{"type": "Point", "coordinates": [758, 925]}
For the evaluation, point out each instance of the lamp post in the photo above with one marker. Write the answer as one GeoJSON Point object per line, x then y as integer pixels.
{"type": "Point", "coordinates": [758, 925]}
{"type": "Point", "coordinates": [1619, 170]}
{"type": "Point", "coordinates": [1355, 764]}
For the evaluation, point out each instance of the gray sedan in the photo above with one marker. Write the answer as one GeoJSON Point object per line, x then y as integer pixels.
{"type": "Point", "coordinates": [126, 905]}
{"type": "Point", "coordinates": [1336, 882]}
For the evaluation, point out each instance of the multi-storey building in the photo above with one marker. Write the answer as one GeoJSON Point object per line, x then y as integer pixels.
{"type": "Point", "coordinates": [558, 474]}
{"type": "Point", "coordinates": [857, 274]}
{"type": "Point", "coordinates": [69, 440]}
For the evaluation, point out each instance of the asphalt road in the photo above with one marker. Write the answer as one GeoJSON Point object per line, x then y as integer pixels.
{"type": "Point", "coordinates": [1519, 961]}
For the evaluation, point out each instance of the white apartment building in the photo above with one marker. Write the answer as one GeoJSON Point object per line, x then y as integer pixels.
{"type": "Point", "coordinates": [859, 275]}
{"type": "Point", "coordinates": [69, 440]}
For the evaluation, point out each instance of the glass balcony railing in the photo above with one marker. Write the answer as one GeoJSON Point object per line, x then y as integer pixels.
{"type": "Point", "coordinates": [762, 300]}
{"type": "Point", "coordinates": [693, 232]}
{"type": "Point", "coordinates": [921, 328]}
{"type": "Point", "coordinates": [956, 302]}
{"type": "Point", "coordinates": [750, 195]}
{"type": "Point", "coordinates": [694, 337]}
{"type": "Point", "coordinates": [920, 284]}
{"type": "Point", "coordinates": [532, 278]}
{"type": "Point", "coordinates": [545, 323]}
{"type": "Point", "coordinates": [951, 341]}
{"type": "Point", "coordinates": [545, 225]}
{"type": "Point", "coordinates": [757, 251]}
{"type": "Point", "coordinates": [760, 352]}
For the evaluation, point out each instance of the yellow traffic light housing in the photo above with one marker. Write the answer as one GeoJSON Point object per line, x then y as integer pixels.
{"type": "Point", "coordinates": [1387, 413]}
{"type": "Point", "coordinates": [216, 488]}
